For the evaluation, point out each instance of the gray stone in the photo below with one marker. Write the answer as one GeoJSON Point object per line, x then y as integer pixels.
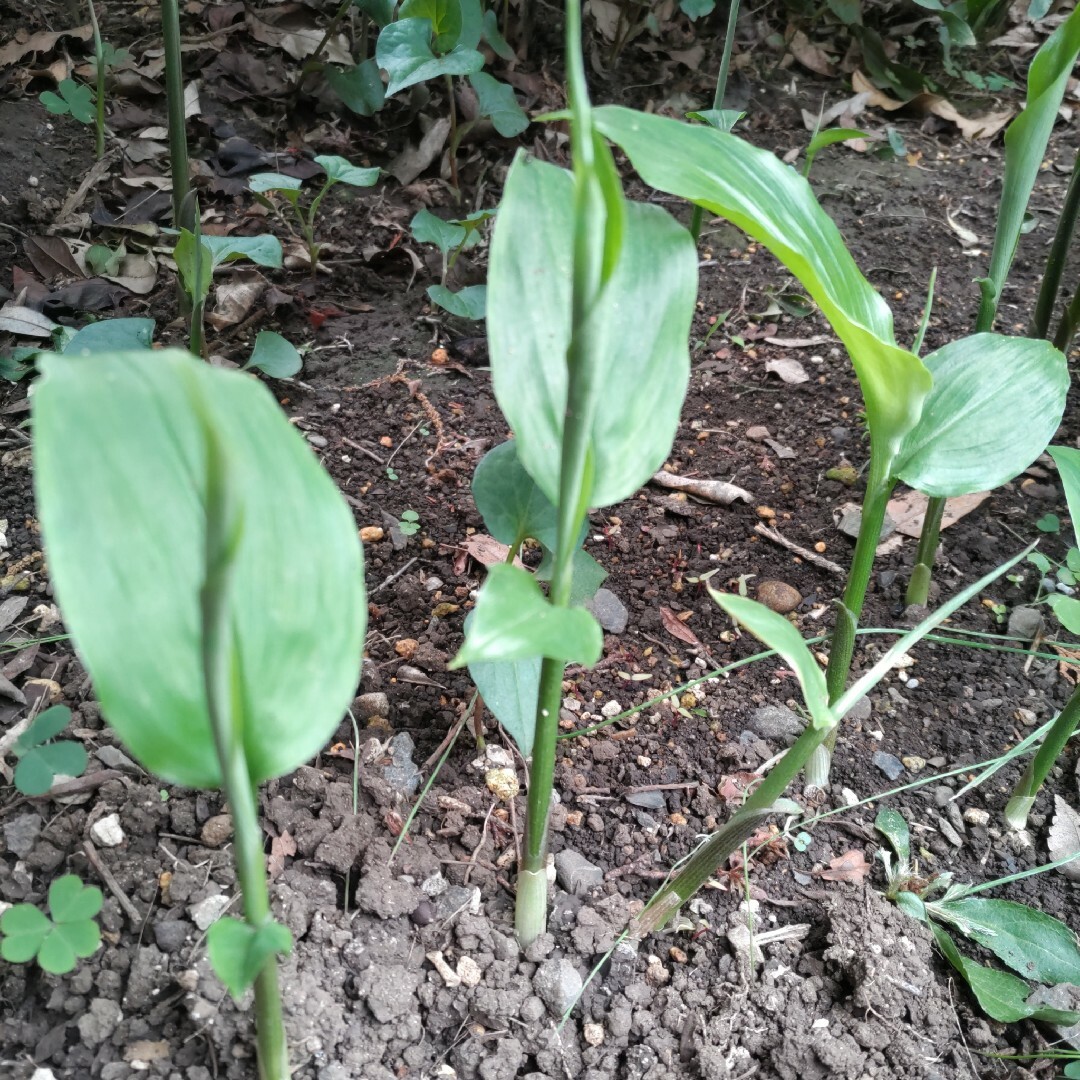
{"type": "Point", "coordinates": [647, 800]}
{"type": "Point", "coordinates": [379, 894]}
{"type": "Point", "coordinates": [889, 764]}
{"type": "Point", "coordinates": [171, 934]}
{"type": "Point", "coordinates": [457, 898]}
{"type": "Point", "coordinates": [21, 833]}
{"type": "Point", "coordinates": [1024, 622]}
{"type": "Point", "coordinates": [777, 723]}
{"type": "Point", "coordinates": [402, 774]}
{"type": "Point", "coordinates": [99, 1021]}
{"type": "Point", "coordinates": [207, 912]}
{"type": "Point", "coordinates": [609, 610]}
{"type": "Point", "coordinates": [859, 712]}
{"type": "Point", "coordinates": [374, 704]}
{"type": "Point", "coordinates": [576, 874]}
{"type": "Point", "coordinates": [1066, 998]}
{"type": "Point", "coordinates": [115, 758]}
{"type": "Point", "coordinates": [558, 984]}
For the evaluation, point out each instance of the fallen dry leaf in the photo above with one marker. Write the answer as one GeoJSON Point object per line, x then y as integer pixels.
{"type": "Point", "coordinates": [734, 788]}
{"type": "Point", "coordinates": [1063, 839]}
{"type": "Point", "coordinates": [486, 550]}
{"type": "Point", "coordinates": [714, 491]}
{"type": "Point", "coordinates": [51, 257]}
{"type": "Point", "coordinates": [813, 57]}
{"type": "Point", "coordinates": [677, 628]}
{"type": "Point", "coordinates": [851, 866]}
{"type": "Point", "coordinates": [281, 847]}
{"type": "Point", "coordinates": [790, 371]}
{"type": "Point", "coordinates": [22, 46]}
{"type": "Point", "coordinates": [907, 510]}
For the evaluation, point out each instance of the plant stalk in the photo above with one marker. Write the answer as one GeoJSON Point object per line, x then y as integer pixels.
{"type": "Point", "coordinates": [453, 138]}
{"type": "Point", "coordinates": [99, 103]}
{"type": "Point", "coordinates": [226, 709]}
{"type": "Point", "coordinates": [719, 94]}
{"type": "Point", "coordinates": [1058, 256]}
{"type": "Point", "coordinates": [1023, 796]}
{"type": "Point", "coordinates": [1070, 322]}
{"type": "Point", "coordinates": [174, 93]}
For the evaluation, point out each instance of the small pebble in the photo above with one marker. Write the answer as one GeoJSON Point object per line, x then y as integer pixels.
{"type": "Point", "coordinates": [612, 708]}
{"type": "Point", "coordinates": [778, 596]}
{"type": "Point", "coordinates": [318, 441]}
{"type": "Point", "coordinates": [468, 971]}
{"type": "Point", "coordinates": [889, 764]}
{"type": "Point", "coordinates": [766, 512]}
{"type": "Point", "coordinates": [848, 797]}
{"type": "Point", "coordinates": [107, 831]}
{"type": "Point", "coordinates": [974, 816]}
{"type": "Point", "coordinates": [677, 954]}
{"type": "Point", "coordinates": [593, 1034]}
{"type": "Point", "coordinates": [914, 763]}
{"type": "Point", "coordinates": [423, 913]}
{"type": "Point", "coordinates": [217, 830]}
{"type": "Point", "coordinates": [406, 647]}
{"type": "Point", "coordinates": [372, 534]}
{"type": "Point", "coordinates": [502, 783]}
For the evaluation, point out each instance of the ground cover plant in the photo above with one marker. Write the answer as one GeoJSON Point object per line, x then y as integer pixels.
{"type": "Point", "coordinates": [391, 855]}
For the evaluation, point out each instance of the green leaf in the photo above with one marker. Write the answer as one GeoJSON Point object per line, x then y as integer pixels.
{"type": "Point", "coordinates": [493, 36]}
{"type": "Point", "coordinates": [262, 250]}
{"type": "Point", "coordinates": [111, 335]}
{"type": "Point", "coordinates": [1031, 942]}
{"type": "Point", "coordinates": [1026, 139]}
{"type": "Point", "coordinates": [47, 725]}
{"type": "Point", "coordinates": [273, 355]}
{"type": "Point", "coordinates": [136, 515]}
{"type": "Point", "coordinates": [24, 928]}
{"type": "Point", "coordinates": [104, 260]}
{"type": "Point", "coordinates": [1067, 460]}
{"type": "Point", "coordinates": [995, 404]}
{"type": "Point", "coordinates": [777, 633]}
{"type": "Point", "coordinates": [342, 171]}
{"type": "Point", "coordinates": [827, 138]}
{"type": "Point", "coordinates": [41, 765]}
{"type": "Point", "coordinates": [769, 201]}
{"type": "Point", "coordinates": [403, 51]}
{"type": "Point", "coordinates": [239, 951]}
{"type": "Point", "coordinates": [72, 901]}
{"type": "Point", "coordinates": [1049, 523]}
{"type": "Point", "coordinates": [360, 87]}
{"type": "Point", "coordinates": [498, 101]}
{"type": "Point", "coordinates": [1072, 1069]}
{"type": "Point", "coordinates": [588, 574]}
{"type": "Point", "coordinates": [509, 501]}
{"type": "Point", "coordinates": [467, 303]}
{"type": "Point", "coordinates": [849, 12]}
{"type": "Point", "coordinates": [696, 9]}
{"type": "Point", "coordinates": [195, 262]}
{"type": "Point", "coordinates": [891, 824]}
{"type": "Point", "coordinates": [381, 11]}
{"type": "Point", "coordinates": [74, 98]}
{"type": "Point", "coordinates": [1067, 611]}
{"type": "Point", "coordinates": [428, 228]}
{"type": "Point", "coordinates": [288, 186]}
{"type": "Point", "coordinates": [57, 943]}
{"type": "Point", "coordinates": [514, 621]}
{"type": "Point", "coordinates": [444, 16]}
{"type": "Point", "coordinates": [721, 119]}
{"type": "Point", "coordinates": [510, 689]}
{"type": "Point", "coordinates": [642, 318]}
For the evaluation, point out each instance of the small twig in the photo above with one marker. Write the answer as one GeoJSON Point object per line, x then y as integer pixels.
{"type": "Point", "coordinates": [394, 576]}
{"type": "Point", "coordinates": [809, 556]}
{"type": "Point", "coordinates": [662, 787]}
{"type": "Point", "coordinates": [476, 853]}
{"type": "Point", "coordinates": [113, 885]}
{"type": "Point", "coordinates": [401, 444]}
{"type": "Point", "coordinates": [71, 787]}
{"type": "Point", "coordinates": [364, 450]}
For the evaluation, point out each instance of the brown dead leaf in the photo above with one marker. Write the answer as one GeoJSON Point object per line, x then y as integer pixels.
{"type": "Point", "coordinates": [234, 300]}
{"type": "Point", "coordinates": [43, 42]}
{"type": "Point", "coordinates": [811, 56]}
{"type": "Point", "coordinates": [851, 866]}
{"type": "Point", "coordinates": [714, 491]}
{"type": "Point", "coordinates": [300, 41]}
{"type": "Point", "coordinates": [877, 98]}
{"type": "Point", "coordinates": [907, 510]}
{"type": "Point", "coordinates": [790, 371]}
{"type": "Point", "coordinates": [486, 550]}
{"type": "Point", "coordinates": [677, 628]}
{"type": "Point", "coordinates": [734, 788]}
{"type": "Point", "coordinates": [281, 847]}
{"type": "Point", "coordinates": [51, 257]}
{"type": "Point", "coordinates": [1068, 667]}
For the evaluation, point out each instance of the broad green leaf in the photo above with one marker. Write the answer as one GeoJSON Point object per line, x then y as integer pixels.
{"type": "Point", "coordinates": [995, 404]}
{"type": "Point", "coordinates": [24, 928]}
{"type": "Point", "coordinates": [891, 824]}
{"type": "Point", "coordinates": [1066, 610]}
{"type": "Point", "coordinates": [403, 51]}
{"type": "Point", "coordinates": [72, 901]}
{"type": "Point", "coordinates": [498, 101]}
{"type": "Point", "coordinates": [360, 87]}
{"type": "Point", "coordinates": [960, 33]}
{"type": "Point", "coordinates": [1026, 139]}
{"type": "Point", "coordinates": [828, 138]}
{"type": "Point", "coordinates": [642, 321]}
{"type": "Point", "coordinates": [770, 202]}
{"type": "Point", "coordinates": [195, 262]}
{"type": "Point", "coordinates": [40, 765]}
{"type": "Point", "coordinates": [472, 25]}
{"type": "Point", "coordinates": [444, 16]}
{"type": "Point", "coordinates": [777, 633]}
{"type": "Point", "coordinates": [111, 335]}
{"type": "Point", "coordinates": [382, 11]}
{"type": "Point", "coordinates": [273, 355]}
{"type": "Point", "coordinates": [272, 181]}
{"type": "Point", "coordinates": [848, 12]}
{"type": "Point", "coordinates": [510, 689]}
{"type": "Point", "coordinates": [1031, 942]}
{"type": "Point", "coordinates": [1067, 460]}
{"type": "Point", "coordinates": [342, 171]}
{"type": "Point", "coordinates": [239, 951]}
{"type": "Point", "coordinates": [493, 35]}
{"type": "Point", "coordinates": [429, 228]}
{"type": "Point", "coordinates": [514, 621]}
{"type": "Point", "coordinates": [120, 449]}
{"type": "Point", "coordinates": [589, 575]}
{"type": "Point", "coordinates": [467, 303]}
{"type": "Point", "coordinates": [262, 250]}
{"type": "Point", "coordinates": [509, 501]}
{"type": "Point", "coordinates": [47, 725]}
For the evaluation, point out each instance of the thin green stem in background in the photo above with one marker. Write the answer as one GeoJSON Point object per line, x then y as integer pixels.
{"type": "Point", "coordinates": [99, 57]}
{"type": "Point", "coordinates": [197, 324]}
{"type": "Point", "coordinates": [174, 92]}
{"type": "Point", "coordinates": [719, 94]}
{"type": "Point", "coordinates": [1070, 322]}
{"type": "Point", "coordinates": [1058, 256]}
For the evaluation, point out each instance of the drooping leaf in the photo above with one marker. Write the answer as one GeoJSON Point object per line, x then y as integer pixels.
{"type": "Point", "coordinates": [641, 323]}
{"type": "Point", "coordinates": [342, 171]}
{"type": "Point", "coordinates": [514, 621]}
{"type": "Point", "coordinates": [589, 575]}
{"type": "Point", "coordinates": [1067, 460]}
{"type": "Point", "coordinates": [1031, 942]}
{"type": "Point", "coordinates": [510, 689]}
{"type": "Point", "coordinates": [467, 303]}
{"type": "Point", "coordinates": [121, 450]}
{"type": "Point", "coordinates": [493, 35]}
{"type": "Point", "coordinates": [275, 356]}
{"type": "Point", "coordinates": [195, 262]}
{"type": "Point", "coordinates": [1067, 611]}
{"type": "Point", "coordinates": [995, 404]}
{"type": "Point", "coordinates": [769, 201]}
{"type": "Point", "coordinates": [360, 87]}
{"type": "Point", "coordinates": [239, 951]}
{"type": "Point", "coordinates": [696, 9]}
{"type": "Point", "coordinates": [262, 250]}
{"type": "Point", "coordinates": [429, 228]}
{"type": "Point", "coordinates": [111, 335]}
{"type": "Point", "coordinates": [509, 501]}
{"type": "Point", "coordinates": [777, 633]}
{"type": "Point", "coordinates": [403, 51]}
{"type": "Point", "coordinates": [381, 11]}
{"type": "Point", "coordinates": [1026, 139]}
{"type": "Point", "coordinates": [288, 186]}
{"type": "Point", "coordinates": [498, 101]}
{"type": "Point", "coordinates": [827, 138]}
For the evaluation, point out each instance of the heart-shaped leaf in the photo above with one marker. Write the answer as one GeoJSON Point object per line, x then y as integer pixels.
{"type": "Point", "coordinates": [239, 951]}
{"type": "Point", "coordinates": [403, 51]}
{"type": "Point", "coordinates": [273, 355]}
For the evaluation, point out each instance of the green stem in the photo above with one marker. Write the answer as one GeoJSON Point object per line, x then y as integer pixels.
{"type": "Point", "coordinates": [1070, 322]}
{"type": "Point", "coordinates": [1023, 796]}
{"type": "Point", "coordinates": [719, 94]}
{"type": "Point", "coordinates": [99, 57]}
{"type": "Point", "coordinates": [453, 138]}
{"type": "Point", "coordinates": [918, 590]}
{"type": "Point", "coordinates": [1057, 256]}
{"type": "Point", "coordinates": [174, 93]}
{"type": "Point", "coordinates": [226, 709]}
{"type": "Point", "coordinates": [197, 324]}
{"type": "Point", "coordinates": [315, 59]}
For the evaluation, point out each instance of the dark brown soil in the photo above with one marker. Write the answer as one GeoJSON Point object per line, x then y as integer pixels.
{"type": "Point", "coordinates": [858, 992]}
